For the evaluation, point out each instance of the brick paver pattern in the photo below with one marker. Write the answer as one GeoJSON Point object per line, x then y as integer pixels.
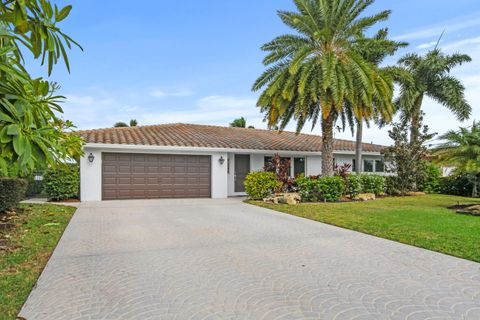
{"type": "Point", "coordinates": [223, 259]}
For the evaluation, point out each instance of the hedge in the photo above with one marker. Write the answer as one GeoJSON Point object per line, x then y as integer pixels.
{"type": "Point", "coordinates": [12, 192]}
{"type": "Point", "coordinates": [353, 185]}
{"type": "Point", "coordinates": [259, 185]}
{"type": "Point", "coordinates": [373, 183]}
{"type": "Point", "coordinates": [62, 183]}
{"type": "Point", "coordinates": [328, 189]}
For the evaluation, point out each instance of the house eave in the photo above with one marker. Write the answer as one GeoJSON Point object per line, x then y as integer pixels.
{"type": "Point", "coordinates": [150, 148]}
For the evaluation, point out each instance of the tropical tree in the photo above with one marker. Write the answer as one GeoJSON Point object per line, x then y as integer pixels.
{"type": "Point", "coordinates": [31, 132]}
{"type": "Point", "coordinates": [461, 149]}
{"type": "Point", "coordinates": [430, 76]}
{"type": "Point", "coordinates": [311, 75]}
{"type": "Point", "coordinates": [121, 124]}
{"type": "Point", "coordinates": [375, 52]}
{"type": "Point", "coordinates": [239, 123]}
{"type": "Point", "coordinates": [407, 160]}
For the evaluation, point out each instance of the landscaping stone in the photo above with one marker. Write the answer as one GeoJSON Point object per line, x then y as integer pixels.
{"type": "Point", "coordinates": [416, 194]}
{"type": "Point", "coordinates": [473, 210]}
{"type": "Point", "coordinates": [273, 200]}
{"type": "Point", "coordinates": [365, 197]}
{"type": "Point", "coordinates": [284, 198]}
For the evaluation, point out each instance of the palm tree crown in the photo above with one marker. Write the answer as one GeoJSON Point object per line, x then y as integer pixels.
{"type": "Point", "coordinates": [430, 76]}
{"type": "Point", "coordinates": [312, 74]}
{"type": "Point", "coordinates": [461, 149]}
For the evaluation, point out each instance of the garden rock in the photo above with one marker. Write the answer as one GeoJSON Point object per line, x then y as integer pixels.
{"type": "Point", "coordinates": [285, 198]}
{"type": "Point", "coordinates": [416, 194]}
{"type": "Point", "coordinates": [366, 196]}
{"type": "Point", "coordinates": [292, 198]}
{"type": "Point", "coordinates": [473, 210]}
{"type": "Point", "coordinates": [273, 200]}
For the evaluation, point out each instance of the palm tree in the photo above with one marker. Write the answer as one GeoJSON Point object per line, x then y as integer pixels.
{"type": "Point", "coordinates": [461, 149]}
{"type": "Point", "coordinates": [430, 76]}
{"type": "Point", "coordinates": [374, 52]}
{"type": "Point", "coordinates": [313, 74]}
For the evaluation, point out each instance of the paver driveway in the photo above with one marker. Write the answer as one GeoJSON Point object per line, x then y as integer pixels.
{"type": "Point", "coordinates": [222, 259]}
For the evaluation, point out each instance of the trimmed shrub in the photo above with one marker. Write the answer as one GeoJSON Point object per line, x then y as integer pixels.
{"type": "Point", "coordinates": [457, 185]}
{"type": "Point", "coordinates": [373, 183]}
{"type": "Point", "coordinates": [259, 185]}
{"type": "Point", "coordinates": [328, 189]}
{"type": "Point", "coordinates": [12, 192]}
{"type": "Point", "coordinates": [430, 181]}
{"type": "Point", "coordinates": [391, 186]}
{"type": "Point", "coordinates": [353, 185]}
{"type": "Point", "coordinates": [62, 183]}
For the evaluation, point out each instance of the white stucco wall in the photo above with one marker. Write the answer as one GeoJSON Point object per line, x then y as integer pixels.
{"type": "Point", "coordinates": [91, 176]}
{"type": "Point", "coordinates": [313, 165]}
{"type": "Point", "coordinates": [219, 176]}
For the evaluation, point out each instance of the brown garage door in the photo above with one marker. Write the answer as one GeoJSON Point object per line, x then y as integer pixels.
{"type": "Point", "coordinates": [151, 176]}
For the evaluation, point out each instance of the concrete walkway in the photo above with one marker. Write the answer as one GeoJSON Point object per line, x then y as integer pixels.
{"type": "Point", "coordinates": [222, 259]}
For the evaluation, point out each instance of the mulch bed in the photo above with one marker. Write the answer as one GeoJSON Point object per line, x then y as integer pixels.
{"type": "Point", "coordinates": [7, 223]}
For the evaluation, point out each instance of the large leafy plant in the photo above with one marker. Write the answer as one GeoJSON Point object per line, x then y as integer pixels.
{"type": "Point", "coordinates": [259, 185]}
{"type": "Point", "coordinates": [32, 134]}
{"type": "Point", "coordinates": [461, 149]}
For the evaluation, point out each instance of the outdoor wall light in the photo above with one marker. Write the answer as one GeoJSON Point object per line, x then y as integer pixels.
{"type": "Point", "coordinates": [221, 160]}
{"type": "Point", "coordinates": [91, 157]}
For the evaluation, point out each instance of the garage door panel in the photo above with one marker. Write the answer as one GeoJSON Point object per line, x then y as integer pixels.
{"type": "Point", "coordinates": [108, 169]}
{"type": "Point", "coordinates": [203, 170]}
{"type": "Point", "coordinates": [124, 157]}
{"type": "Point", "coordinates": [145, 176]}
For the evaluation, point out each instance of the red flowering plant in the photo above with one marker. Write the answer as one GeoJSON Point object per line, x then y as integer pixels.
{"type": "Point", "coordinates": [281, 167]}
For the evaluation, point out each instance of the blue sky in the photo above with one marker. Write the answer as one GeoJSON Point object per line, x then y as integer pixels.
{"type": "Point", "coordinates": [195, 61]}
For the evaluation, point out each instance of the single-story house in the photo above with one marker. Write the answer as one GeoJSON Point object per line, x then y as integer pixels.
{"type": "Point", "coordinates": [196, 161]}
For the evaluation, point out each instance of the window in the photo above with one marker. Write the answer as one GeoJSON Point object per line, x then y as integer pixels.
{"type": "Point", "coordinates": [354, 165]}
{"type": "Point", "coordinates": [379, 166]}
{"type": "Point", "coordinates": [298, 166]}
{"type": "Point", "coordinates": [367, 165]}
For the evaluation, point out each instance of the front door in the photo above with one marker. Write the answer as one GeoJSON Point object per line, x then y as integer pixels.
{"type": "Point", "coordinates": [242, 168]}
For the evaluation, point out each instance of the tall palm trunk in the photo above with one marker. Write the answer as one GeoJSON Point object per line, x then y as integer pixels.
{"type": "Point", "coordinates": [415, 119]}
{"type": "Point", "coordinates": [358, 147]}
{"type": "Point", "coordinates": [327, 144]}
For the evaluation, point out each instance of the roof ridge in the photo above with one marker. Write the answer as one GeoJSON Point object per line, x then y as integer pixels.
{"type": "Point", "coordinates": [199, 125]}
{"type": "Point", "coordinates": [207, 135]}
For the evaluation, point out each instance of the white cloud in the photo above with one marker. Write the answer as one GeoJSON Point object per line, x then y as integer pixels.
{"type": "Point", "coordinates": [159, 93]}
{"type": "Point", "coordinates": [214, 109]}
{"type": "Point", "coordinates": [462, 44]}
{"type": "Point", "coordinates": [427, 45]}
{"type": "Point", "coordinates": [448, 26]}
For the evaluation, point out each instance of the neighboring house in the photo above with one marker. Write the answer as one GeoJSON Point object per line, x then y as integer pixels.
{"type": "Point", "coordinates": [196, 161]}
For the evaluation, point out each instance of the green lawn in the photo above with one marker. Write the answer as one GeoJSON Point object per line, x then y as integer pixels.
{"type": "Point", "coordinates": [422, 221]}
{"type": "Point", "coordinates": [29, 244]}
